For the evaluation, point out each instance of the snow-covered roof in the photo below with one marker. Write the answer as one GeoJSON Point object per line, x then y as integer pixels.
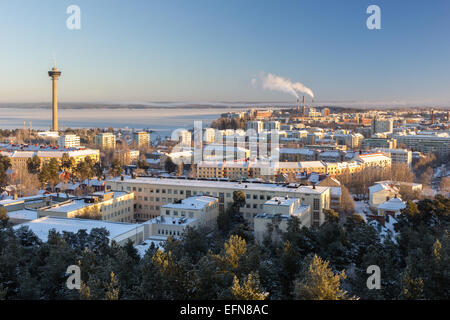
{"type": "Point", "coordinates": [192, 203]}
{"type": "Point", "coordinates": [42, 226]}
{"type": "Point", "coordinates": [297, 151]}
{"type": "Point", "coordinates": [394, 204]}
{"type": "Point", "coordinates": [281, 201]}
{"type": "Point", "coordinates": [272, 187]}
{"type": "Point", "coordinates": [23, 214]}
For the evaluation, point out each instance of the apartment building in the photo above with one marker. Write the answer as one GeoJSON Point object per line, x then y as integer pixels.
{"type": "Point", "coordinates": [297, 155]}
{"type": "Point", "coordinates": [19, 158]}
{"type": "Point", "coordinates": [374, 142]}
{"type": "Point", "coordinates": [427, 143]}
{"type": "Point", "coordinates": [374, 160]}
{"type": "Point", "coordinates": [105, 140]}
{"type": "Point", "coordinates": [397, 155]}
{"type": "Point", "coordinates": [141, 139]}
{"type": "Point", "coordinates": [257, 126]}
{"type": "Point", "coordinates": [153, 193]}
{"type": "Point", "coordinates": [69, 141]}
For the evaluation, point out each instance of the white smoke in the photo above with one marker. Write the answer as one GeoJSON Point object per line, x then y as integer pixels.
{"type": "Point", "coordinates": [273, 82]}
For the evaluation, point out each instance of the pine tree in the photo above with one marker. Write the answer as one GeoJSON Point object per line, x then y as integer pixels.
{"type": "Point", "coordinates": [319, 283]}
{"type": "Point", "coordinates": [249, 290]}
{"type": "Point", "coordinates": [112, 289]}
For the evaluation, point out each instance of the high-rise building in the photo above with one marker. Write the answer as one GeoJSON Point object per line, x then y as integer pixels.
{"type": "Point", "coordinates": [141, 139]}
{"type": "Point", "coordinates": [257, 126]}
{"type": "Point", "coordinates": [54, 74]}
{"type": "Point", "coordinates": [381, 126]}
{"type": "Point", "coordinates": [105, 140]}
{"type": "Point", "coordinates": [69, 141]}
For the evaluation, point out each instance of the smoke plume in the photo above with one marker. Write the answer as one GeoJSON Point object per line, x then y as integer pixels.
{"type": "Point", "coordinates": [276, 83]}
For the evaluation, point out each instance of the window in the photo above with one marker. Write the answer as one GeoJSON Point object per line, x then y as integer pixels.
{"type": "Point", "coordinates": [167, 212]}
{"type": "Point", "coordinates": [255, 206]}
{"type": "Point", "coordinates": [175, 213]}
{"type": "Point", "coordinates": [255, 197]}
{"type": "Point", "coordinates": [316, 205]}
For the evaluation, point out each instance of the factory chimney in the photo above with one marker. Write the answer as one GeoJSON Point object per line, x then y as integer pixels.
{"type": "Point", "coordinates": [304, 109]}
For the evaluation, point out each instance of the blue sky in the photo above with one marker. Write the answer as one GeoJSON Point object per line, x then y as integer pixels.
{"type": "Point", "coordinates": [199, 50]}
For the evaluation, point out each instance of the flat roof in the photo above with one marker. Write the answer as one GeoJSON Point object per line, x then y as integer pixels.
{"type": "Point", "coordinates": [271, 187]}
{"type": "Point", "coordinates": [42, 226]}
{"type": "Point", "coordinates": [196, 203]}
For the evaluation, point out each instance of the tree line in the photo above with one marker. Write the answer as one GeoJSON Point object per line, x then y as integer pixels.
{"type": "Point", "coordinates": [328, 262]}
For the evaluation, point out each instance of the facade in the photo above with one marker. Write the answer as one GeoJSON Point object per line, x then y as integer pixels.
{"type": "Point", "coordinates": [271, 125]}
{"type": "Point", "coordinates": [69, 141]}
{"type": "Point", "coordinates": [374, 160]}
{"type": "Point", "coordinates": [380, 193]}
{"type": "Point", "coordinates": [381, 126]}
{"type": "Point", "coordinates": [297, 155]}
{"type": "Point", "coordinates": [278, 211]}
{"type": "Point", "coordinates": [115, 206]}
{"type": "Point", "coordinates": [105, 140]}
{"type": "Point", "coordinates": [153, 193]}
{"type": "Point", "coordinates": [174, 218]}
{"type": "Point", "coordinates": [373, 142]}
{"type": "Point", "coordinates": [427, 143]}
{"type": "Point", "coordinates": [183, 137]}
{"type": "Point", "coordinates": [397, 155]}
{"type": "Point", "coordinates": [141, 139]}
{"type": "Point", "coordinates": [209, 135]}
{"type": "Point", "coordinates": [257, 126]}
{"type": "Point", "coordinates": [19, 158]}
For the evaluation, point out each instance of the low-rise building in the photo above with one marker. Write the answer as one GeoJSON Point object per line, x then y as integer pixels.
{"type": "Point", "coordinates": [152, 193]}
{"type": "Point", "coordinates": [119, 232]}
{"type": "Point", "coordinates": [277, 212]}
{"type": "Point", "coordinates": [110, 206]}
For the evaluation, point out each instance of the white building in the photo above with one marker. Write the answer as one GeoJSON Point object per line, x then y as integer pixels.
{"type": "Point", "coordinates": [209, 135]}
{"type": "Point", "coordinates": [152, 193]}
{"type": "Point", "coordinates": [183, 136]}
{"type": "Point", "coordinates": [257, 126]}
{"type": "Point", "coordinates": [278, 211]}
{"type": "Point", "coordinates": [118, 232]}
{"type": "Point", "coordinates": [271, 125]}
{"type": "Point", "coordinates": [380, 193]}
{"type": "Point", "coordinates": [69, 141]}
{"type": "Point", "coordinates": [198, 211]}
{"type": "Point", "coordinates": [381, 126]}
{"type": "Point", "coordinates": [391, 207]}
{"type": "Point", "coordinates": [397, 155]}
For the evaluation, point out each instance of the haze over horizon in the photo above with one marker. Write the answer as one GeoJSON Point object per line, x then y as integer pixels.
{"type": "Point", "coordinates": [209, 52]}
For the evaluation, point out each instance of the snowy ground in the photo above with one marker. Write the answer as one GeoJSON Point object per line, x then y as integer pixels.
{"type": "Point", "coordinates": [362, 208]}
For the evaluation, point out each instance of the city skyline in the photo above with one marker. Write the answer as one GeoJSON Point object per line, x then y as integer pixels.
{"type": "Point", "coordinates": [210, 52]}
